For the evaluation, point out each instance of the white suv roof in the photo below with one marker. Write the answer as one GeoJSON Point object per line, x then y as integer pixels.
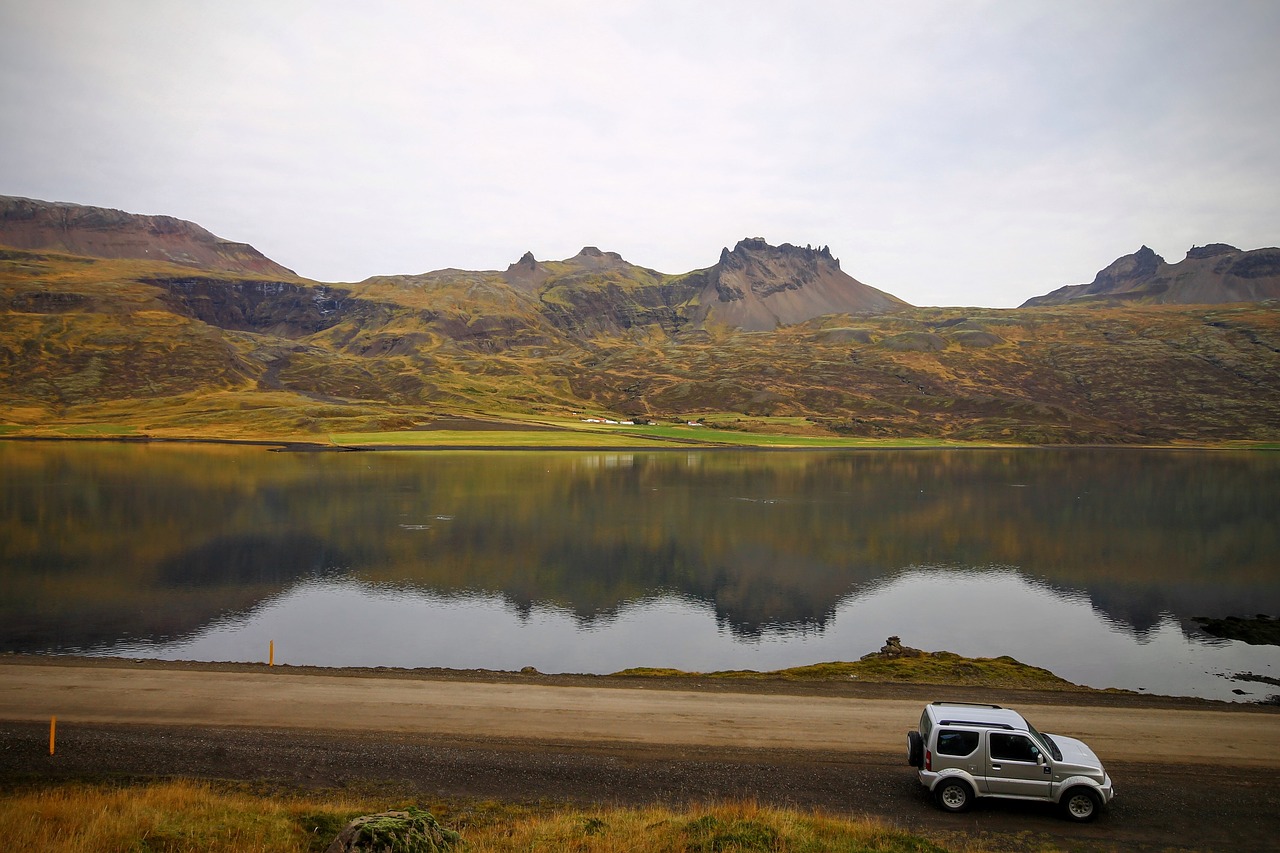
{"type": "Point", "coordinates": [978, 716]}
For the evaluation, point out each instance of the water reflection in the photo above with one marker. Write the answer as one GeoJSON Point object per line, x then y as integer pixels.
{"type": "Point", "coordinates": [701, 556]}
{"type": "Point", "coordinates": [351, 623]}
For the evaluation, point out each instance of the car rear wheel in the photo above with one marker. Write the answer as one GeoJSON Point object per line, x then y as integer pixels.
{"type": "Point", "coordinates": [1080, 805]}
{"type": "Point", "coordinates": [954, 796]}
{"type": "Point", "coordinates": [915, 749]}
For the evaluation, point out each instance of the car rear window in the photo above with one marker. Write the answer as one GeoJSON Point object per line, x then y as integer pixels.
{"type": "Point", "coordinates": [954, 742]}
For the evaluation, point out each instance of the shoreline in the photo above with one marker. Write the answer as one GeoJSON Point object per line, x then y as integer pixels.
{"type": "Point", "coordinates": [284, 445]}
{"type": "Point", "coordinates": [767, 684]}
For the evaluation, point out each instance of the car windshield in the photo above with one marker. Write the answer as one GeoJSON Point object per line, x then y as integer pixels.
{"type": "Point", "coordinates": [1046, 743]}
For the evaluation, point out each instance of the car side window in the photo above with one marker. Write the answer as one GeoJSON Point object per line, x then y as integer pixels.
{"type": "Point", "coordinates": [956, 743]}
{"type": "Point", "coordinates": [1013, 748]}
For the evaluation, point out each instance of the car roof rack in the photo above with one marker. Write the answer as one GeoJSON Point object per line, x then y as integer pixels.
{"type": "Point", "coordinates": [976, 724]}
{"type": "Point", "coordinates": [968, 704]}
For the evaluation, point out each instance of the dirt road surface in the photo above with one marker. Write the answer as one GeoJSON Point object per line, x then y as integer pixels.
{"type": "Point", "coordinates": [1189, 775]}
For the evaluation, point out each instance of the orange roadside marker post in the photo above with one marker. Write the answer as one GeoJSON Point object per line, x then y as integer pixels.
{"type": "Point", "coordinates": [53, 731]}
{"type": "Point", "coordinates": [271, 653]}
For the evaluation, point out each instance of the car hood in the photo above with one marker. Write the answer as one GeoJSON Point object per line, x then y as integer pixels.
{"type": "Point", "coordinates": [1076, 752]}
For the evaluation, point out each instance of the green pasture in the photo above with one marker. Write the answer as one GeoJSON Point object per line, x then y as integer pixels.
{"type": "Point", "coordinates": [491, 438]}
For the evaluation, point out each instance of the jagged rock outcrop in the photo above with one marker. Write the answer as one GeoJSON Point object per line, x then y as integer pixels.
{"type": "Point", "coordinates": [1208, 274]}
{"type": "Point", "coordinates": [756, 286]}
{"type": "Point", "coordinates": [526, 274]}
{"type": "Point", "coordinates": [106, 233]}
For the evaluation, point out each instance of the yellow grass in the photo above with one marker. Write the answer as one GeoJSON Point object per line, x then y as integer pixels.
{"type": "Point", "coordinates": [173, 816]}
{"type": "Point", "coordinates": [191, 816]}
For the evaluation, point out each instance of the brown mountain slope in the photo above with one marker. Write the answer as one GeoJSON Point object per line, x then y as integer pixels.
{"type": "Point", "coordinates": [104, 233]}
{"type": "Point", "coordinates": [1210, 274]}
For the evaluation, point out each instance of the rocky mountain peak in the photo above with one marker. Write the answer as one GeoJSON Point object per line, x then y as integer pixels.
{"type": "Point", "coordinates": [754, 248]}
{"type": "Point", "coordinates": [1212, 250]}
{"type": "Point", "coordinates": [592, 254]}
{"type": "Point", "coordinates": [1140, 264]}
{"type": "Point", "coordinates": [756, 285]}
{"type": "Point", "coordinates": [526, 274]}
{"type": "Point", "coordinates": [592, 258]}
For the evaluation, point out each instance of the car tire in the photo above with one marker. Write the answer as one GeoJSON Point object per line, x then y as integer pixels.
{"type": "Point", "coordinates": [915, 749]}
{"type": "Point", "coordinates": [953, 796]}
{"type": "Point", "coordinates": [1080, 805]}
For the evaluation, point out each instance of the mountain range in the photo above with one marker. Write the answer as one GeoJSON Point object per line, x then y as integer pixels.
{"type": "Point", "coordinates": [1208, 274]}
{"type": "Point", "coordinates": [153, 325]}
{"type": "Point", "coordinates": [754, 286]}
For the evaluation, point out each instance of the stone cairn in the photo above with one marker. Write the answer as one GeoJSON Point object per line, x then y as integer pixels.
{"type": "Point", "coordinates": [893, 648]}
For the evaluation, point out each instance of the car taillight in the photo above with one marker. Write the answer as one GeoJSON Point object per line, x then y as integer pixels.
{"type": "Point", "coordinates": [928, 760]}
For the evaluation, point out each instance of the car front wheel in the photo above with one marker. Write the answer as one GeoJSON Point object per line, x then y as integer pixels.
{"type": "Point", "coordinates": [1080, 805]}
{"type": "Point", "coordinates": [954, 796]}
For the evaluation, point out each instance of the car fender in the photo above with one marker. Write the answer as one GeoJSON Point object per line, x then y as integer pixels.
{"type": "Point", "coordinates": [1070, 782]}
{"type": "Point", "coordinates": [963, 775]}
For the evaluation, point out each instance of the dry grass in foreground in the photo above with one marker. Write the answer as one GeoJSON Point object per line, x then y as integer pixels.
{"type": "Point", "coordinates": [188, 816]}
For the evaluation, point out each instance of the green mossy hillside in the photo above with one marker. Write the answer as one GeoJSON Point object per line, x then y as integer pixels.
{"type": "Point", "coordinates": [942, 668]}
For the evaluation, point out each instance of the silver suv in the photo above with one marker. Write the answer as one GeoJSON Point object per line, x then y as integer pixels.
{"type": "Point", "coordinates": [964, 750]}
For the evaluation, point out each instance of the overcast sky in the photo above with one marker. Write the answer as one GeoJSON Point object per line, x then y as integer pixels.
{"type": "Point", "coordinates": [952, 153]}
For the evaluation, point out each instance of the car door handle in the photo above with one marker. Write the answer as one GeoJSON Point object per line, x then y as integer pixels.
{"type": "Point", "coordinates": [995, 766]}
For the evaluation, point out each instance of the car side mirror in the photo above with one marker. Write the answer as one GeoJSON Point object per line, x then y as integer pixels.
{"type": "Point", "coordinates": [1040, 759]}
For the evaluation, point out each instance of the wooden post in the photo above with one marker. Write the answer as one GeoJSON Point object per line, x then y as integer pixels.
{"type": "Point", "coordinates": [271, 654]}
{"type": "Point", "coordinates": [53, 731]}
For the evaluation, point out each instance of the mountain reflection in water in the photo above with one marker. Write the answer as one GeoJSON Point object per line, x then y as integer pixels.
{"type": "Point", "coordinates": [596, 561]}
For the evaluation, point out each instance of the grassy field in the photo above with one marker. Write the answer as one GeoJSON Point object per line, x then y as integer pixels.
{"type": "Point", "coordinates": [718, 435]}
{"type": "Point", "coordinates": [492, 438]}
{"type": "Point", "coordinates": [615, 436]}
{"type": "Point", "coordinates": [178, 816]}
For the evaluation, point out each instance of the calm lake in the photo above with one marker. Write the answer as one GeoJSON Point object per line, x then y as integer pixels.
{"type": "Point", "coordinates": [1089, 562]}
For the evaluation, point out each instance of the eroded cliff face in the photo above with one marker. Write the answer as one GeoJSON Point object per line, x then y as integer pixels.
{"type": "Point", "coordinates": [1214, 273]}
{"type": "Point", "coordinates": [280, 308]}
{"type": "Point", "coordinates": [105, 233]}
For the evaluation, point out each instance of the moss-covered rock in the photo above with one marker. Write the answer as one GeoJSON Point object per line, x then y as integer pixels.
{"type": "Point", "coordinates": [412, 830]}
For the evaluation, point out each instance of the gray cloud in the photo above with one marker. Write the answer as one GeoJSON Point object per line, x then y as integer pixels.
{"type": "Point", "coordinates": [950, 152]}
